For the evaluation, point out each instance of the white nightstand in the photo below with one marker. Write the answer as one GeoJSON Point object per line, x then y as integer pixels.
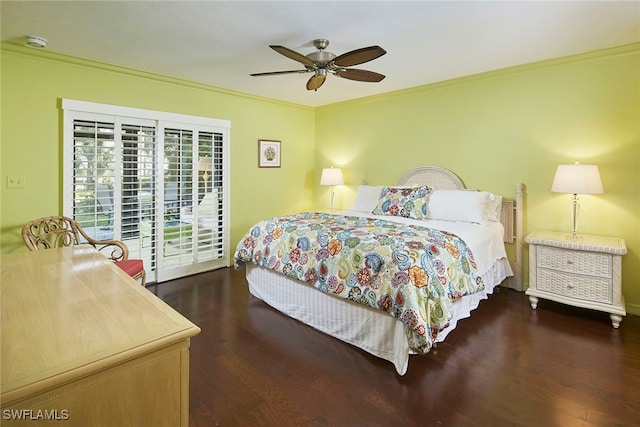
{"type": "Point", "coordinates": [584, 273]}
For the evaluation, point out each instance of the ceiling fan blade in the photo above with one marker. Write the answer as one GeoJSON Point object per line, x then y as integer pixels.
{"type": "Point", "coordinates": [291, 54]}
{"type": "Point", "coordinates": [360, 75]}
{"type": "Point", "coordinates": [275, 73]}
{"type": "Point", "coordinates": [359, 56]}
{"type": "Point", "coordinates": [316, 81]}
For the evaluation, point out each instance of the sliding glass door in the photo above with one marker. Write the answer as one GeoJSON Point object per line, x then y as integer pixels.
{"type": "Point", "coordinates": [192, 202]}
{"type": "Point", "coordinates": [158, 185]}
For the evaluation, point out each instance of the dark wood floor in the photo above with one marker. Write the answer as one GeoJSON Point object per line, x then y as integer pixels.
{"type": "Point", "coordinates": [507, 365]}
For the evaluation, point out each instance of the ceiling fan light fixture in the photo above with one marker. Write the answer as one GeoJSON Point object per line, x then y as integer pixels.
{"type": "Point", "coordinates": [317, 79]}
{"type": "Point", "coordinates": [320, 63]}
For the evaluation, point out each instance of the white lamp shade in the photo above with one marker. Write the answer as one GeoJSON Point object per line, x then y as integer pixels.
{"type": "Point", "coordinates": [204, 164]}
{"type": "Point", "coordinates": [331, 176]}
{"type": "Point", "coordinates": [577, 179]}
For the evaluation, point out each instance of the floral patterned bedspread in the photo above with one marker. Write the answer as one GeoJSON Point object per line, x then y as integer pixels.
{"type": "Point", "coordinates": [413, 273]}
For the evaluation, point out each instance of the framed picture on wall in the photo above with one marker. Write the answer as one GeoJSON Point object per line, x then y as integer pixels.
{"type": "Point", "coordinates": [268, 153]}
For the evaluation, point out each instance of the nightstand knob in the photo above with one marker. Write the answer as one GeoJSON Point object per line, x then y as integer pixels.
{"type": "Point", "coordinates": [569, 262]}
{"type": "Point", "coordinates": [570, 286]}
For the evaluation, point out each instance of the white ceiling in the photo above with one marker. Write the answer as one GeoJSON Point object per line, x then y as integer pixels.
{"type": "Point", "coordinates": [222, 42]}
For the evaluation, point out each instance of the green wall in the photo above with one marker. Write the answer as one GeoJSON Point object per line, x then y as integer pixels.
{"type": "Point", "coordinates": [33, 83]}
{"type": "Point", "coordinates": [493, 130]}
{"type": "Point", "coordinates": [503, 127]}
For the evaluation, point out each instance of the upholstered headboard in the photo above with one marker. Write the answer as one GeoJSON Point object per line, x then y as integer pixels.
{"type": "Point", "coordinates": [511, 214]}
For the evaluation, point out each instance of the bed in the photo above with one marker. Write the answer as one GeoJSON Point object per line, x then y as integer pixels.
{"type": "Point", "coordinates": [413, 269]}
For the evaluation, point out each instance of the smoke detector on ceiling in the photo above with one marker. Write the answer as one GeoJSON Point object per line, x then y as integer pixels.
{"type": "Point", "coordinates": [36, 41]}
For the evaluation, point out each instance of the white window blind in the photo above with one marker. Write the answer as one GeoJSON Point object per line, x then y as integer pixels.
{"type": "Point", "coordinates": [160, 186]}
{"type": "Point", "coordinates": [93, 177]}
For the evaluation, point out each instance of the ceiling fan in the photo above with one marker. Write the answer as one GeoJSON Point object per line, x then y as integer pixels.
{"type": "Point", "coordinates": [322, 62]}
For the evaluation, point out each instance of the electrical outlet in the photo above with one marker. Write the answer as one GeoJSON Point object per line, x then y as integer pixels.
{"type": "Point", "coordinates": [14, 181]}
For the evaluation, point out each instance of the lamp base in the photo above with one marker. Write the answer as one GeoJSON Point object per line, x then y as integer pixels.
{"type": "Point", "coordinates": [573, 237]}
{"type": "Point", "coordinates": [333, 196]}
{"type": "Point", "coordinates": [575, 209]}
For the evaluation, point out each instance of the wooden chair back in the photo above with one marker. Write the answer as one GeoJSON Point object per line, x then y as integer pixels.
{"type": "Point", "coordinates": [59, 231]}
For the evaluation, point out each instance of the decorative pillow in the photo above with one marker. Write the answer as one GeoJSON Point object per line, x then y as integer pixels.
{"type": "Point", "coordinates": [209, 204]}
{"type": "Point", "coordinates": [404, 202]}
{"type": "Point", "coordinates": [367, 198]}
{"type": "Point", "coordinates": [460, 205]}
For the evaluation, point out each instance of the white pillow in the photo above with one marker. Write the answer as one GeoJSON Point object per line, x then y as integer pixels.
{"type": "Point", "coordinates": [367, 198]}
{"type": "Point", "coordinates": [494, 210]}
{"type": "Point", "coordinates": [459, 205]}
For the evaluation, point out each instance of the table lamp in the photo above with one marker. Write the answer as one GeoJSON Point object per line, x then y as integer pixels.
{"type": "Point", "coordinates": [577, 179]}
{"type": "Point", "coordinates": [331, 176]}
{"type": "Point", "coordinates": [204, 165]}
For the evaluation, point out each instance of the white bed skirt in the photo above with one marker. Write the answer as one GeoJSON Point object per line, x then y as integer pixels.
{"type": "Point", "coordinates": [351, 322]}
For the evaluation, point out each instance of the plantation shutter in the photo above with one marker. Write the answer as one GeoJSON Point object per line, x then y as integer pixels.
{"type": "Point", "coordinates": [94, 157]}
{"type": "Point", "coordinates": [142, 181]}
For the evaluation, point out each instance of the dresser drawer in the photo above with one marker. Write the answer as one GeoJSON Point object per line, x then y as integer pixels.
{"type": "Point", "coordinates": [588, 288]}
{"type": "Point", "coordinates": [570, 261]}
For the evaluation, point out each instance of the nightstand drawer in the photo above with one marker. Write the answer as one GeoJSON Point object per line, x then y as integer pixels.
{"type": "Point", "coordinates": [570, 261]}
{"type": "Point", "coordinates": [589, 288]}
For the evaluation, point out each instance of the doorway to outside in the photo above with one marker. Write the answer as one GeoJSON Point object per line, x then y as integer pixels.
{"type": "Point", "coordinates": [156, 181]}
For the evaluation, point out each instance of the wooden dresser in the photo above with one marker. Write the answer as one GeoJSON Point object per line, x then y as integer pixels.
{"type": "Point", "coordinates": [83, 342]}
